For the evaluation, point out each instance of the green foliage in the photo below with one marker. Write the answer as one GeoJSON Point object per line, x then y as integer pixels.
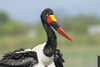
{"type": "Point", "coordinates": [12, 29]}
{"type": "Point", "coordinates": [8, 27]}
{"type": "Point", "coordinates": [79, 24]}
{"type": "Point", "coordinates": [3, 17]}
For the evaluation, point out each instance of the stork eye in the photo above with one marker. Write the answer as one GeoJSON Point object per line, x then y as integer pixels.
{"type": "Point", "coordinates": [46, 14]}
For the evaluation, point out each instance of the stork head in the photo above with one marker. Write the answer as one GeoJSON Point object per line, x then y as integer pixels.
{"type": "Point", "coordinates": [47, 17]}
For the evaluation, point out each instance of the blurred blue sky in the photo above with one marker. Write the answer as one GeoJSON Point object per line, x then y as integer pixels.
{"type": "Point", "coordinates": [30, 10]}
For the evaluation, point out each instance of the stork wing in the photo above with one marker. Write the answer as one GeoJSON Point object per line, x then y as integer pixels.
{"type": "Point", "coordinates": [19, 58]}
{"type": "Point", "coordinates": [58, 59]}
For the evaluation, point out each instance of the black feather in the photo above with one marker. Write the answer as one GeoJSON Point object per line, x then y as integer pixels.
{"type": "Point", "coordinates": [58, 59]}
{"type": "Point", "coordinates": [21, 59]}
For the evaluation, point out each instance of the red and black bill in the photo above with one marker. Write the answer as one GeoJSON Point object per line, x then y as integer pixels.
{"type": "Point", "coordinates": [53, 22]}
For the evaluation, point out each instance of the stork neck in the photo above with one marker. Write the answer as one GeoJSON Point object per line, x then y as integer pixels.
{"type": "Point", "coordinates": [51, 44]}
{"type": "Point", "coordinates": [50, 35]}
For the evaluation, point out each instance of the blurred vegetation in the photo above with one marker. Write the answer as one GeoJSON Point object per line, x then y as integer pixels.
{"type": "Point", "coordinates": [8, 27]}
{"type": "Point", "coordinates": [82, 52]}
{"type": "Point", "coordinates": [79, 24]}
{"type": "Point", "coordinates": [3, 17]}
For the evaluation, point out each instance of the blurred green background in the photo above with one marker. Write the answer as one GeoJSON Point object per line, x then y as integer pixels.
{"type": "Point", "coordinates": [84, 29]}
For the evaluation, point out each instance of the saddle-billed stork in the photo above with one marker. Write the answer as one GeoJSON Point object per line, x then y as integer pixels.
{"type": "Point", "coordinates": [43, 55]}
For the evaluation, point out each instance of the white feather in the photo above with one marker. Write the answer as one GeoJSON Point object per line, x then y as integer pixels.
{"type": "Point", "coordinates": [42, 59]}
